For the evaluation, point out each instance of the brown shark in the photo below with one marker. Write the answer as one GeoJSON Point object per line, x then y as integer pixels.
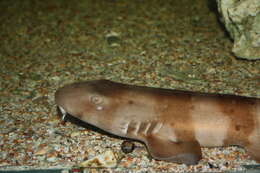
{"type": "Point", "coordinates": [173, 124]}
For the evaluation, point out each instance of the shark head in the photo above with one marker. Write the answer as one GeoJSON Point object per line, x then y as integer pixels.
{"type": "Point", "coordinates": [90, 101]}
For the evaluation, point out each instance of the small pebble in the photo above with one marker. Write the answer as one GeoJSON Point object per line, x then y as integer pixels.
{"type": "Point", "coordinates": [127, 147]}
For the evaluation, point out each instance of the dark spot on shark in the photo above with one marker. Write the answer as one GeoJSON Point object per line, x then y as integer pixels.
{"type": "Point", "coordinates": [237, 127]}
{"type": "Point", "coordinates": [130, 102]}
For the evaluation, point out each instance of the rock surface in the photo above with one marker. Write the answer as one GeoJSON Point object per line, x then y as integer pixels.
{"type": "Point", "coordinates": [242, 21]}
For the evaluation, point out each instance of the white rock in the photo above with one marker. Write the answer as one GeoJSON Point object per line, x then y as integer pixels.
{"type": "Point", "coordinates": [107, 159]}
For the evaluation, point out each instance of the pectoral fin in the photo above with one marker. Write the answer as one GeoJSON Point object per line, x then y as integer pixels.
{"type": "Point", "coordinates": [181, 152]}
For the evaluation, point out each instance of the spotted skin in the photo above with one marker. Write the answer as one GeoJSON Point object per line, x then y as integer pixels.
{"type": "Point", "coordinates": [173, 124]}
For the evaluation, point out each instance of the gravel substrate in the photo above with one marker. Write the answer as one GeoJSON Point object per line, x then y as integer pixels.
{"type": "Point", "coordinates": [169, 44]}
{"type": "Point", "coordinates": [43, 142]}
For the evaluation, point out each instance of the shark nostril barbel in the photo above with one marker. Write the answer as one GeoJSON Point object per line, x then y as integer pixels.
{"type": "Point", "coordinates": [63, 112]}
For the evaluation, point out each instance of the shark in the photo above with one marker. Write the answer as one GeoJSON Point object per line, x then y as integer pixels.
{"type": "Point", "coordinates": [172, 124]}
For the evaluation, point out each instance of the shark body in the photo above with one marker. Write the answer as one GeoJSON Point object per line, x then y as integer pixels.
{"type": "Point", "coordinates": [172, 124]}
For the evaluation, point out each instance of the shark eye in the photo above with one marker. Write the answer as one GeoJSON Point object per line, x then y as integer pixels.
{"type": "Point", "coordinates": [96, 99]}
